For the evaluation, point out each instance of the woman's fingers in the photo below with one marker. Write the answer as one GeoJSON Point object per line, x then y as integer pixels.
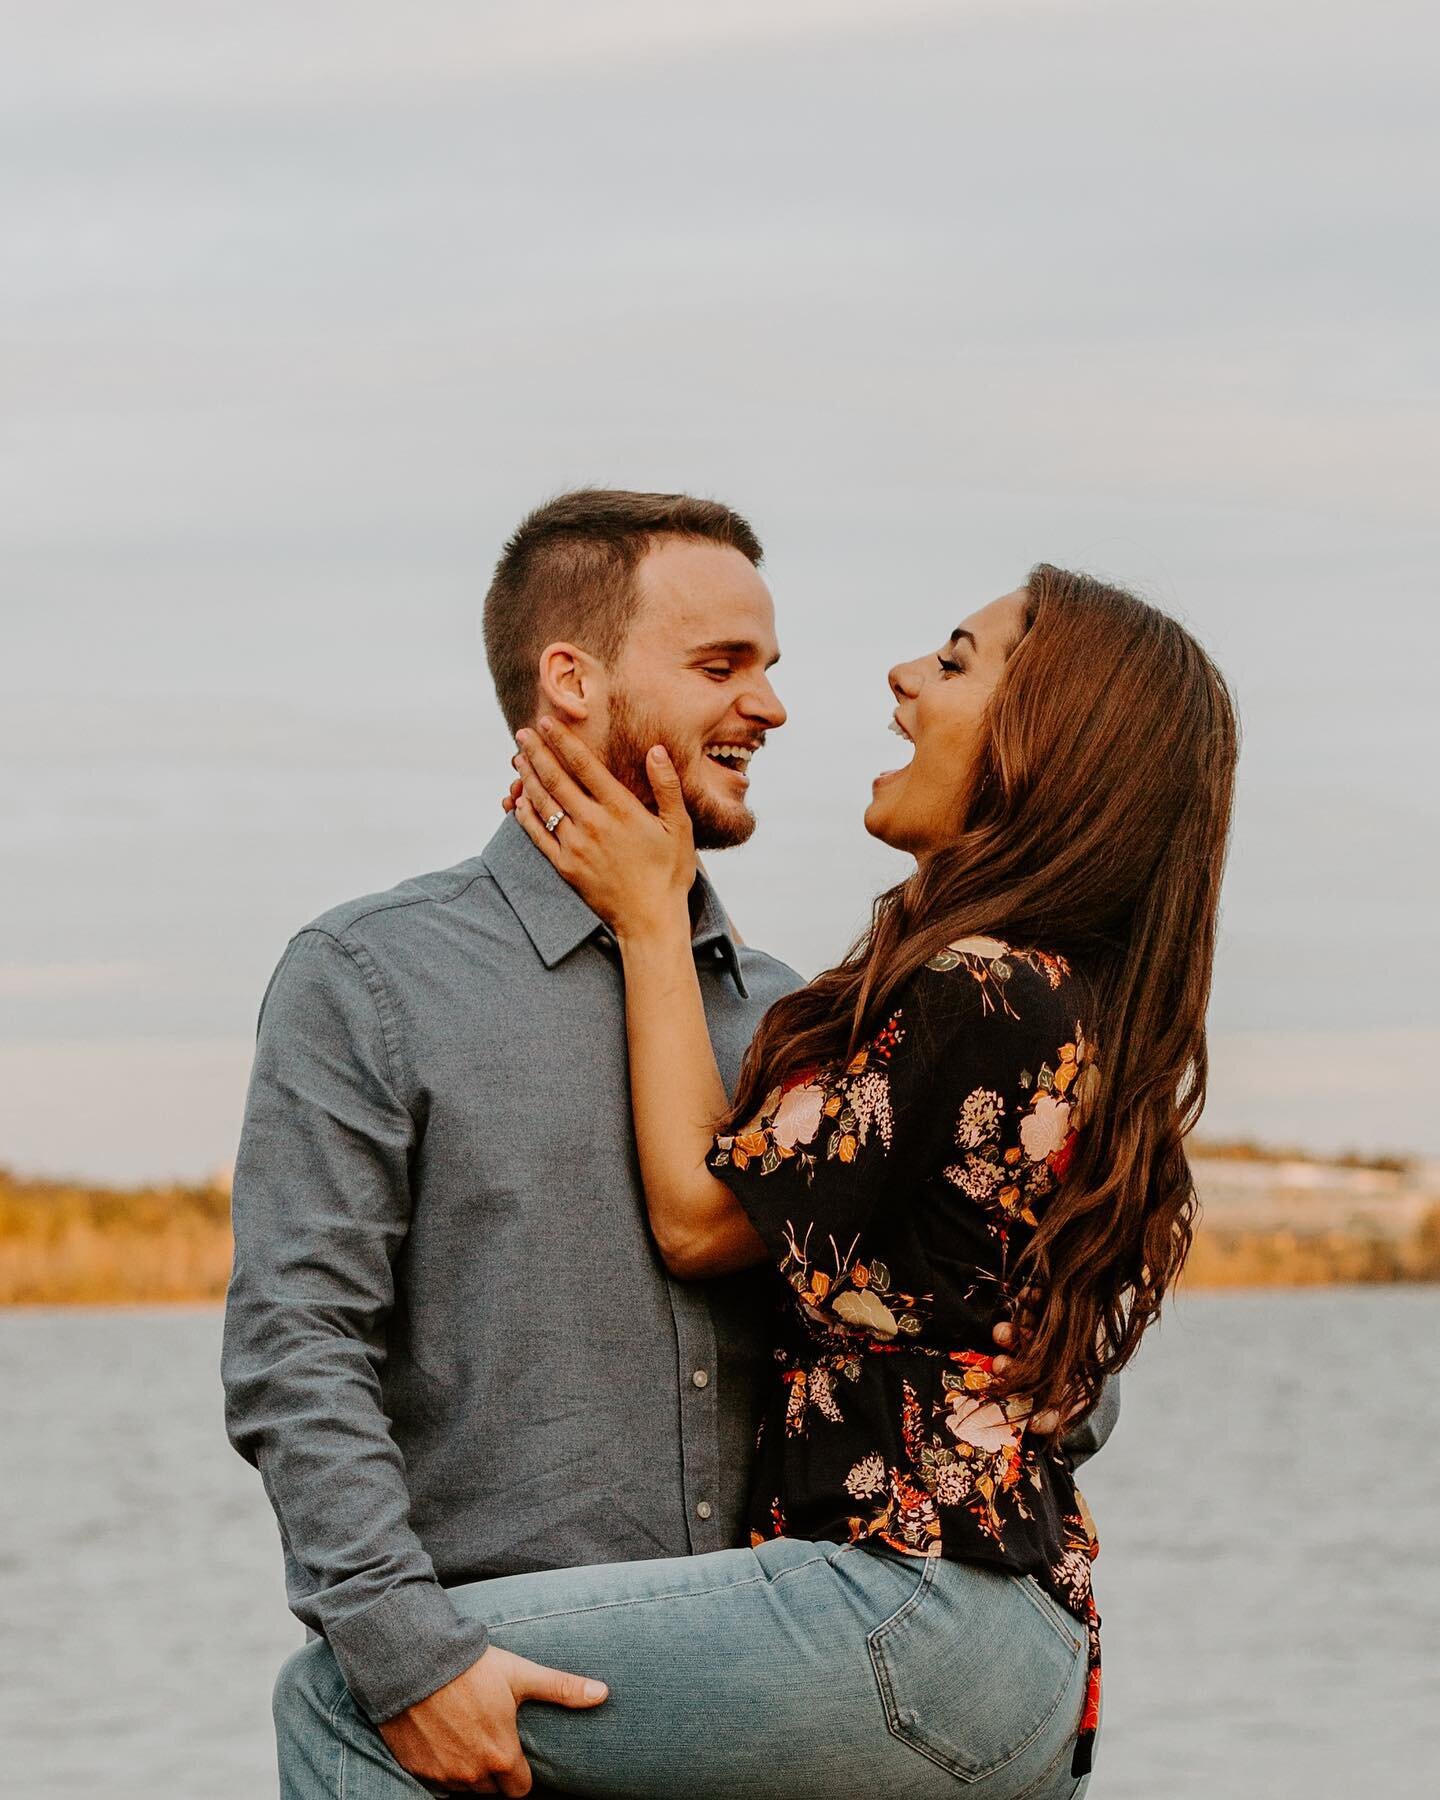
{"type": "Point", "coordinates": [536, 791]}
{"type": "Point", "coordinates": [665, 785]}
{"type": "Point", "coordinates": [553, 776]}
{"type": "Point", "coordinates": [534, 829]}
{"type": "Point", "coordinates": [582, 763]}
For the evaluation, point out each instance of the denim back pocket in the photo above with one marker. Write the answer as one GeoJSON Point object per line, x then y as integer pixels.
{"type": "Point", "coordinates": [975, 1667]}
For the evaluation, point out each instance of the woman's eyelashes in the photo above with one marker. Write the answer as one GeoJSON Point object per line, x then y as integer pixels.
{"type": "Point", "coordinates": [949, 667]}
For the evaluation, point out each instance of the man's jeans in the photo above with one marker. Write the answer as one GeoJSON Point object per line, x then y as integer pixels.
{"type": "Point", "coordinates": [794, 1670]}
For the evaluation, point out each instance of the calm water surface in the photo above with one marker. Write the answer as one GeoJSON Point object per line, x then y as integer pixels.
{"type": "Point", "coordinates": [1270, 1582]}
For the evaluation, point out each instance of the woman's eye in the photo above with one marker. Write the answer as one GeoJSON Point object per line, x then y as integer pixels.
{"type": "Point", "coordinates": [949, 668]}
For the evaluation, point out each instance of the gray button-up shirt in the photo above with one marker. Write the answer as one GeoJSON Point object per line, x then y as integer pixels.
{"type": "Point", "coordinates": [450, 1346]}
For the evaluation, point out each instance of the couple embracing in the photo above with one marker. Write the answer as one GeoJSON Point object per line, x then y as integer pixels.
{"type": "Point", "coordinates": [669, 1376]}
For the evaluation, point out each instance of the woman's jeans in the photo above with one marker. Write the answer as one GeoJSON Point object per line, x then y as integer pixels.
{"type": "Point", "coordinates": [794, 1670]}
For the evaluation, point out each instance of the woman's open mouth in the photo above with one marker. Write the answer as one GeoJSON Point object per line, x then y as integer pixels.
{"type": "Point", "coordinates": [890, 774]}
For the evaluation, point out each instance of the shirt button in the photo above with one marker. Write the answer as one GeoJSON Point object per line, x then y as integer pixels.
{"type": "Point", "coordinates": [701, 1378]}
{"type": "Point", "coordinates": [704, 1510]}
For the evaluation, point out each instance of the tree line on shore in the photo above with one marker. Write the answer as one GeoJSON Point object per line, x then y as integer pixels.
{"type": "Point", "coordinates": [66, 1243]}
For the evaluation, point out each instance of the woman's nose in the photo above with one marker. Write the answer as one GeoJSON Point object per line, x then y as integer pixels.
{"type": "Point", "coordinates": [904, 680]}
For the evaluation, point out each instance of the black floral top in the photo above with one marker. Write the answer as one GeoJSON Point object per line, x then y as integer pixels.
{"type": "Point", "coordinates": [897, 1194]}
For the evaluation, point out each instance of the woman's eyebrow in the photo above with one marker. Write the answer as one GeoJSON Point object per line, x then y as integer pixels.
{"type": "Point", "coordinates": [959, 632]}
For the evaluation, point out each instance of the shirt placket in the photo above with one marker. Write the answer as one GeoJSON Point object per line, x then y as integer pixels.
{"type": "Point", "coordinates": [699, 1417]}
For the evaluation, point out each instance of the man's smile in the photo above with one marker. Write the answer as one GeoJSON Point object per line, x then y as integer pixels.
{"type": "Point", "coordinates": [733, 757]}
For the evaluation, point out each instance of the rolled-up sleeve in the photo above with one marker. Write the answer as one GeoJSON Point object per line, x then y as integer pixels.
{"type": "Point", "coordinates": [321, 1208]}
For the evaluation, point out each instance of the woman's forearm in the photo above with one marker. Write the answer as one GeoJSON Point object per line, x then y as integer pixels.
{"type": "Point", "coordinates": [677, 1096]}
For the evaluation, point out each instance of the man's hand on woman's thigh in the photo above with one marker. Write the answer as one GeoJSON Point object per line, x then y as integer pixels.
{"type": "Point", "coordinates": [463, 1737]}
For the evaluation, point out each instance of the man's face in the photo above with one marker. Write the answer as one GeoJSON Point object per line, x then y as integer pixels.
{"type": "Point", "coordinates": [694, 676]}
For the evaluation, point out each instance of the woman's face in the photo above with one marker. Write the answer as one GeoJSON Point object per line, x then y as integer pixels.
{"type": "Point", "coordinates": [940, 702]}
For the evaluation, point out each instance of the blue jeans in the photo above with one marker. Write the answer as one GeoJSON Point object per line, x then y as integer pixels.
{"type": "Point", "coordinates": [795, 1670]}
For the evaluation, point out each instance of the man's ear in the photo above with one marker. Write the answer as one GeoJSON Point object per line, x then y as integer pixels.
{"type": "Point", "coordinates": [572, 684]}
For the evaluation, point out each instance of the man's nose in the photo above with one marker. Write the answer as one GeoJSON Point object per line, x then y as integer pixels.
{"type": "Point", "coordinates": [763, 705]}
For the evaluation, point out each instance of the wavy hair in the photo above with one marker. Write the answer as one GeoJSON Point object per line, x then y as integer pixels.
{"type": "Point", "coordinates": [1096, 824]}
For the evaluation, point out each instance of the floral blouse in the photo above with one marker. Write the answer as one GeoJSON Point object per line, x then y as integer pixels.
{"type": "Point", "coordinates": [897, 1194]}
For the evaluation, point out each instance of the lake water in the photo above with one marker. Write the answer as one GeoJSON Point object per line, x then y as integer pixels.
{"type": "Point", "coordinates": [1270, 1581]}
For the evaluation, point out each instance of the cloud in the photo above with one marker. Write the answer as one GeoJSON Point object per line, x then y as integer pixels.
{"type": "Point", "coordinates": [263, 51]}
{"type": "Point", "coordinates": [307, 304]}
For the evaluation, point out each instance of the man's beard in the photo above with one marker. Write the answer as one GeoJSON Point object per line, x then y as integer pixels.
{"type": "Point", "coordinates": [632, 735]}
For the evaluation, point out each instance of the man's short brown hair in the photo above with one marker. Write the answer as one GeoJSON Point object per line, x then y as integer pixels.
{"type": "Point", "coordinates": [568, 574]}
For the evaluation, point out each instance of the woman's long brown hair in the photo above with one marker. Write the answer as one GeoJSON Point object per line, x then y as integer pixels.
{"type": "Point", "coordinates": [1096, 826]}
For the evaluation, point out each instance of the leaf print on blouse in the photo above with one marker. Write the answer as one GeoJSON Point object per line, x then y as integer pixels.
{"type": "Point", "coordinates": [991, 964]}
{"type": "Point", "coordinates": [981, 1424]}
{"type": "Point", "coordinates": [815, 1387]}
{"type": "Point", "coordinates": [855, 1301]}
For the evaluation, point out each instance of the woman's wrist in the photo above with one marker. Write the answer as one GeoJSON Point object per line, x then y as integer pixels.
{"type": "Point", "coordinates": [666, 925]}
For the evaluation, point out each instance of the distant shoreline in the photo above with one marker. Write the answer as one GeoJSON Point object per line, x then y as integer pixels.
{"type": "Point", "coordinates": [1280, 1218]}
{"type": "Point", "coordinates": [1269, 1218]}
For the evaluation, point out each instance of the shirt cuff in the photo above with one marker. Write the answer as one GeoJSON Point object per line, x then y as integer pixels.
{"type": "Point", "coordinates": [403, 1647]}
{"type": "Point", "coordinates": [1087, 1436]}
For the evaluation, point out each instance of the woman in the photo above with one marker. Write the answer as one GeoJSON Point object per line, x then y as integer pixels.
{"type": "Point", "coordinates": [988, 1095]}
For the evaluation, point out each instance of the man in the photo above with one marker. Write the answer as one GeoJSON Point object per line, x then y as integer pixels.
{"type": "Point", "coordinates": [448, 1334]}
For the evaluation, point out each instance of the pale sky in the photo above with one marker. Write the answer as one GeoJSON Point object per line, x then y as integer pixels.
{"type": "Point", "coordinates": [303, 305]}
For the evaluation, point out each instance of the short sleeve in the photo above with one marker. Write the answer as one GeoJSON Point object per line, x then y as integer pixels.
{"type": "Point", "coordinates": [969, 1081]}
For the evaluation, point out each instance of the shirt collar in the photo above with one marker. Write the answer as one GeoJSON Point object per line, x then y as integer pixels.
{"type": "Point", "coordinates": [557, 921]}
